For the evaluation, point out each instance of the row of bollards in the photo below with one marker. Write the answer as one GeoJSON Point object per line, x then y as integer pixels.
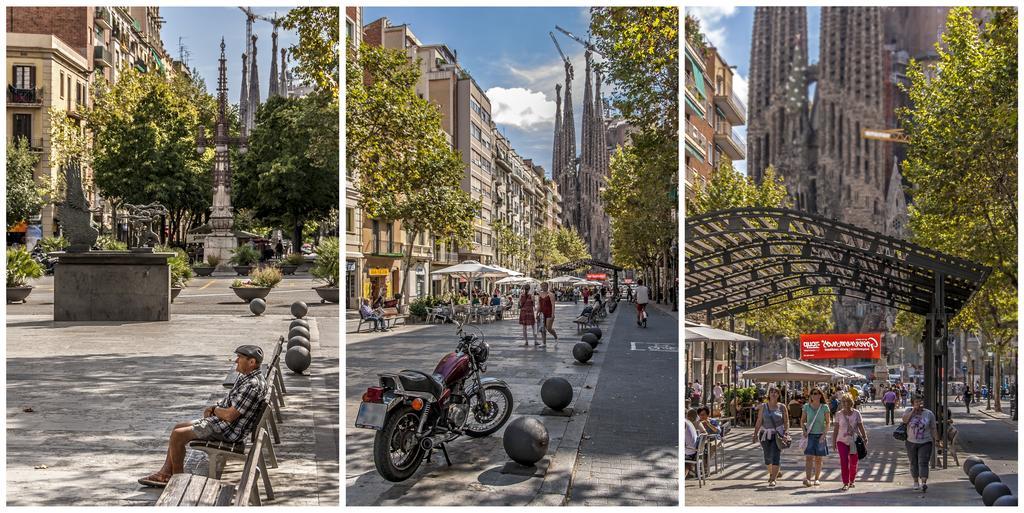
{"type": "Point", "coordinates": [526, 438]}
{"type": "Point", "coordinates": [298, 356]}
{"type": "Point", "coordinates": [993, 491]}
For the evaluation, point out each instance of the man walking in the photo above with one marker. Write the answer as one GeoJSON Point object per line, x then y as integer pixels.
{"type": "Point", "coordinates": [968, 396]}
{"type": "Point", "coordinates": [889, 400]}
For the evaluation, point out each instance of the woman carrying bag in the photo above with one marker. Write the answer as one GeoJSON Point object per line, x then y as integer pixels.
{"type": "Point", "coordinates": [848, 428]}
{"type": "Point", "coordinates": [770, 430]}
{"type": "Point", "coordinates": [814, 443]}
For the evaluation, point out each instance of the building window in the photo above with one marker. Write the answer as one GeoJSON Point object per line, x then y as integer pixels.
{"type": "Point", "coordinates": [376, 236]}
{"type": "Point", "coordinates": [62, 84]}
{"type": "Point", "coordinates": [24, 77]}
{"type": "Point", "coordinates": [23, 127]}
{"type": "Point", "coordinates": [350, 220]}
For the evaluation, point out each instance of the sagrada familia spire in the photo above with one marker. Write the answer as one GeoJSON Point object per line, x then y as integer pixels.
{"type": "Point", "coordinates": [818, 147]}
{"type": "Point", "coordinates": [581, 179]}
{"type": "Point", "coordinates": [249, 97]}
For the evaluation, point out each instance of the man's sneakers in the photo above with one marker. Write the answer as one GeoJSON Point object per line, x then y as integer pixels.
{"type": "Point", "coordinates": [917, 486]}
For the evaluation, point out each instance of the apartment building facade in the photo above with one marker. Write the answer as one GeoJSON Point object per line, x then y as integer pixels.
{"type": "Point", "coordinates": [54, 57]}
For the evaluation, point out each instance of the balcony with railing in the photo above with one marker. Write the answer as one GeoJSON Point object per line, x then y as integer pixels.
{"type": "Point", "coordinates": [34, 145]}
{"type": "Point", "coordinates": [102, 17]}
{"type": "Point", "coordinates": [730, 141]}
{"type": "Point", "coordinates": [697, 140]}
{"type": "Point", "coordinates": [101, 56]}
{"type": "Point", "coordinates": [32, 97]}
{"type": "Point", "coordinates": [384, 248]}
{"type": "Point", "coordinates": [421, 251]}
{"type": "Point", "coordinates": [697, 97]}
{"type": "Point", "coordinates": [733, 107]}
{"type": "Point", "coordinates": [446, 258]}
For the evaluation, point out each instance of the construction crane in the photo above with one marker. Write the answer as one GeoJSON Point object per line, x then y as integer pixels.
{"type": "Point", "coordinates": [250, 15]}
{"type": "Point", "coordinates": [586, 44]}
{"type": "Point", "coordinates": [893, 135]}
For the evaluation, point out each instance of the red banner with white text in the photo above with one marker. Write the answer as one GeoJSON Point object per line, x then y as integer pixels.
{"type": "Point", "coordinates": [840, 345]}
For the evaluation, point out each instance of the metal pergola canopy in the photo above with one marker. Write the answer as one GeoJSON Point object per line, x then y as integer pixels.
{"type": "Point", "coordinates": [748, 258]}
{"type": "Point", "coordinates": [576, 265]}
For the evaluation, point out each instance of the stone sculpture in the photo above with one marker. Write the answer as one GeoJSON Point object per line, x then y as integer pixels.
{"type": "Point", "coordinates": [75, 216]}
{"type": "Point", "coordinates": [142, 218]}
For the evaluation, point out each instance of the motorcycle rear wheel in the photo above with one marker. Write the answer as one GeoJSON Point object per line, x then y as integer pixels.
{"type": "Point", "coordinates": [398, 433]}
{"type": "Point", "coordinates": [502, 416]}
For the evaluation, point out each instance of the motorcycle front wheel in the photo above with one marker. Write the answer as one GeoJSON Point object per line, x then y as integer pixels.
{"type": "Point", "coordinates": [488, 416]}
{"type": "Point", "coordinates": [396, 450]}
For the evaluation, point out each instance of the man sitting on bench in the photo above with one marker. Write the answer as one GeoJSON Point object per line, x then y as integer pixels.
{"type": "Point", "coordinates": [229, 420]}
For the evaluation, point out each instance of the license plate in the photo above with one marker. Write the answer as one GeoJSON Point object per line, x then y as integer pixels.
{"type": "Point", "coordinates": [371, 416]}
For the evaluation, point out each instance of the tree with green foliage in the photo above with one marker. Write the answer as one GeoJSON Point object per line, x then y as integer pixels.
{"type": "Point", "coordinates": [280, 179]}
{"type": "Point", "coordinates": [545, 250]}
{"type": "Point", "coordinates": [570, 244]}
{"type": "Point", "coordinates": [404, 167]}
{"type": "Point", "coordinates": [512, 248]}
{"type": "Point", "coordinates": [317, 52]}
{"type": "Point", "coordinates": [640, 47]}
{"type": "Point", "coordinates": [962, 162]}
{"type": "Point", "coordinates": [727, 188]}
{"type": "Point", "coordinates": [25, 196]}
{"type": "Point", "coordinates": [143, 149]}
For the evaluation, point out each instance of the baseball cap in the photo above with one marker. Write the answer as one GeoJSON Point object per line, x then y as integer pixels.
{"type": "Point", "coordinates": [251, 351]}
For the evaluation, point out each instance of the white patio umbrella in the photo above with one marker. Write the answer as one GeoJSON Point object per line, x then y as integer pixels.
{"type": "Point", "coordinates": [565, 279]}
{"type": "Point", "coordinates": [516, 280]}
{"type": "Point", "coordinates": [787, 369]}
{"type": "Point", "coordinates": [510, 272]}
{"type": "Point", "coordinates": [836, 375]}
{"type": "Point", "coordinates": [697, 332]}
{"type": "Point", "coordinates": [585, 283]}
{"type": "Point", "coordinates": [850, 374]}
{"type": "Point", "coordinates": [471, 270]}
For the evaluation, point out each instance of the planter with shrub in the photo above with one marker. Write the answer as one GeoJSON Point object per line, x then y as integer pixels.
{"type": "Point", "coordinates": [181, 272]}
{"type": "Point", "coordinates": [207, 268]}
{"type": "Point", "coordinates": [327, 268]}
{"type": "Point", "coordinates": [244, 258]}
{"type": "Point", "coordinates": [290, 263]}
{"type": "Point", "coordinates": [259, 284]}
{"type": "Point", "coordinates": [20, 268]}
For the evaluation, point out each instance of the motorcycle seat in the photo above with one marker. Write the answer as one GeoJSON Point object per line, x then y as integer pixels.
{"type": "Point", "coordinates": [416, 381]}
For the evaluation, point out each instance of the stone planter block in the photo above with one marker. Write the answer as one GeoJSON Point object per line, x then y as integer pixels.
{"type": "Point", "coordinates": [112, 286]}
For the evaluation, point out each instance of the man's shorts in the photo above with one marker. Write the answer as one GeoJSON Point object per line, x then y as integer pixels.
{"type": "Point", "coordinates": [204, 430]}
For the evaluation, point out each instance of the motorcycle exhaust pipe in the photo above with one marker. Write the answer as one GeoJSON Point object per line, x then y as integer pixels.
{"type": "Point", "coordinates": [427, 443]}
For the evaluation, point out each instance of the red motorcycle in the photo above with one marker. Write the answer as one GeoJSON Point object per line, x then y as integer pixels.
{"type": "Point", "coordinates": [415, 413]}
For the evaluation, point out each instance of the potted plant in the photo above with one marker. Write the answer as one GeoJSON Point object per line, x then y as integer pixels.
{"type": "Point", "coordinates": [20, 268]}
{"type": "Point", "coordinates": [181, 273]}
{"type": "Point", "coordinates": [243, 259]}
{"type": "Point", "coordinates": [207, 268]}
{"type": "Point", "coordinates": [259, 284]}
{"type": "Point", "coordinates": [290, 263]}
{"type": "Point", "coordinates": [327, 269]}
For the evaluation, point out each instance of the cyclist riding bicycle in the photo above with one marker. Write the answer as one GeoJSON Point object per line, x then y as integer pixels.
{"type": "Point", "coordinates": [643, 295]}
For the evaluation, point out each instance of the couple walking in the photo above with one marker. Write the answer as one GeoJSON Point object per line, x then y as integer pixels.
{"type": "Point", "coordinates": [530, 307]}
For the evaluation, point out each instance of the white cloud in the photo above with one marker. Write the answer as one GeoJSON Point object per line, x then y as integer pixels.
{"type": "Point", "coordinates": [710, 22]}
{"type": "Point", "coordinates": [739, 86]}
{"type": "Point", "coordinates": [520, 107]}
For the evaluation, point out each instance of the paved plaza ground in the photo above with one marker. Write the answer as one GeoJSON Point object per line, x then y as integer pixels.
{"type": "Point", "coordinates": [619, 447]}
{"type": "Point", "coordinates": [883, 478]}
{"type": "Point", "coordinates": [90, 405]}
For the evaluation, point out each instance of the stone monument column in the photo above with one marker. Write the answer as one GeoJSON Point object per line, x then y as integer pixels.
{"type": "Point", "coordinates": [221, 241]}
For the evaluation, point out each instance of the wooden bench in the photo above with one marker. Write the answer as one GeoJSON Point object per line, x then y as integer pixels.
{"type": "Point", "coordinates": [192, 490]}
{"type": "Point", "coordinates": [229, 380]}
{"type": "Point", "coordinates": [583, 321]}
{"type": "Point", "coordinates": [391, 317]}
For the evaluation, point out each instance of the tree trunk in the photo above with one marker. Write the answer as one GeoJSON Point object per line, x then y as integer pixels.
{"type": "Point", "coordinates": [997, 386]}
{"type": "Point", "coordinates": [406, 263]}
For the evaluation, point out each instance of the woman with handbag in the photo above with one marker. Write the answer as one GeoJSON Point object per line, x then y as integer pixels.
{"type": "Point", "coordinates": [921, 433]}
{"type": "Point", "coordinates": [770, 430]}
{"type": "Point", "coordinates": [814, 443]}
{"type": "Point", "coordinates": [848, 428]}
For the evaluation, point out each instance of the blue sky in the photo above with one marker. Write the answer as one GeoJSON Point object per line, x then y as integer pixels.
{"type": "Point", "coordinates": [510, 55]}
{"type": "Point", "coordinates": [201, 29]}
{"type": "Point", "coordinates": [729, 29]}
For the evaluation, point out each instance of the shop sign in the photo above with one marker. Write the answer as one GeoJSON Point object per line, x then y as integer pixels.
{"type": "Point", "coordinates": [379, 271]}
{"type": "Point", "coordinates": [597, 276]}
{"type": "Point", "coordinates": [350, 266]}
{"type": "Point", "coordinates": [840, 346]}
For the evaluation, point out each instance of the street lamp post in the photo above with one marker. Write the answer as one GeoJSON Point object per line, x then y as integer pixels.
{"type": "Point", "coordinates": [785, 343]}
{"type": "Point", "coordinates": [988, 380]}
{"type": "Point", "coordinates": [902, 364]}
{"type": "Point", "coordinates": [746, 356]}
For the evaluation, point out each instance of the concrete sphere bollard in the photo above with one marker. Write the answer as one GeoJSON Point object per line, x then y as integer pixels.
{"type": "Point", "coordinates": [1006, 500]}
{"type": "Point", "coordinates": [297, 359]}
{"type": "Point", "coordinates": [556, 393]}
{"type": "Point", "coordinates": [299, 309]}
{"type": "Point", "coordinates": [590, 339]}
{"type": "Point", "coordinates": [300, 342]}
{"type": "Point", "coordinates": [984, 479]}
{"type": "Point", "coordinates": [526, 440]}
{"type": "Point", "coordinates": [970, 462]}
{"type": "Point", "coordinates": [994, 491]}
{"type": "Point", "coordinates": [596, 331]}
{"type": "Point", "coordinates": [582, 352]}
{"type": "Point", "coordinates": [298, 331]}
{"type": "Point", "coordinates": [298, 322]}
{"type": "Point", "coordinates": [975, 470]}
{"type": "Point", "coordinates": [257, 306]}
